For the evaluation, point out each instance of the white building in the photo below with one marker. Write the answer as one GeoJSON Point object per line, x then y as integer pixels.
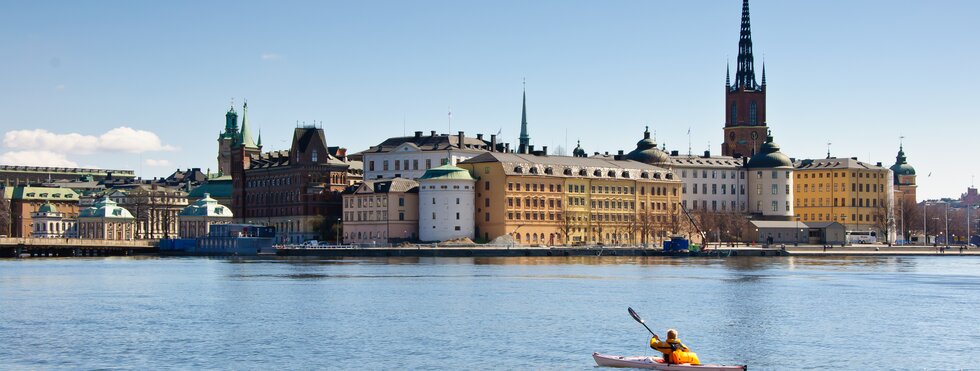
{"type": "Point", "coordinates": [410, 157]}
{"type": "Point", "coordinates": [106, 221]}
{"type": "Point", "coordinates": [446, 197]}
{"type": "Point", "coordinates": [196, 220]}
{"type": "Point", "coordinates": [48, 222]}
{"type": "Point", "coordinates": [770, 182]}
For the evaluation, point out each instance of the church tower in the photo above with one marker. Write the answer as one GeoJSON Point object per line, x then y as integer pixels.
{"type": "Point", "coordinates": [524, 139]}
{"type": "Point", "coordinates": [225, 141]}
{"type": "Point", "coordinates": [745, 100]}
{"type": "Point", "coordinates": [243, 149]}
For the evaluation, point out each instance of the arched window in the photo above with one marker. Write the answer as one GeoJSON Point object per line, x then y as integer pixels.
{"type": "Point", "coordinates": [753, 116]}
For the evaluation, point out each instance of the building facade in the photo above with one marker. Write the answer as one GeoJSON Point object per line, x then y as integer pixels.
{"type": "Point", "coordinates": [745, 100]}
{"type": "Point", "coordinates": [410, 157]}
{"type": "Point", "coordinates": [48, 222]}
{"type": "Point", "coordinates": [446, 204]}
{"type": "Point", "coordinates": [12, 175]}
{"type": "Point", "coordinates": [105, 220]}
{"type": "Point", "coordinates": [195, 220]}
{"type": "Point", "coordinates": [770, 182]}
{"type": "Point", "coordinates": [553, 200]}
{"type": "Point", "coordinates": [25, 201]}
{"type": "Point", "coordinates": [298, 191]}
{"type": "Point", "coordinates": [847, 191]}
{"type": "Point", "coordinates": [381, 212]}
{"type": "Point", "coordinates": [156, 209]}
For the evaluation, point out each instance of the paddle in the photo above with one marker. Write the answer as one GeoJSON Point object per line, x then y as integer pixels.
{"type": "Point", "coordinates": [640, 320]}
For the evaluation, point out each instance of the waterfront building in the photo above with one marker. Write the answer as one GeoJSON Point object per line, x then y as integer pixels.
{"type": "Point", "coordinates": [770, 181]}
{"type": "Point", "coordinates": [156, 208]}
{"type": "Point", "coordinates": [48, 222]}
{"type": "Point", "coordinates": [106, 220]}
{"type": "Point", "coordinates": [217, 187]}
{"type": "Point", "coordinates": [552, 200]}
{"type": "Point", "coordinates": [27, 200]}
{"type": "Point", "coordinates": [297, 191]}
{"type": "Point", "coordinates": [381, 212]}
{"type": "Point", "coordinates": [446, 204]}
{"type": "Point", "coordinates": [745, 100]}
{"type": "Point", "coordinates": [12, 175]}
{"type": "Point", "coordinates": [410, 157]}
{"type": "Point", "coordinates": [195, 220]}
{"type": "Point", "coordinates": [854, 193]}
{"type": "Point", "coordinates": [227, 139]}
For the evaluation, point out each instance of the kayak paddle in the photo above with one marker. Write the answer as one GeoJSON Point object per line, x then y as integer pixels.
{"type": "Point", "coordinates": [640, 320]}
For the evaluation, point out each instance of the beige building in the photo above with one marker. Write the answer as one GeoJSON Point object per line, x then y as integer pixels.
{"type": "Point", "coordinates": [106, 221]}
{"type": "Point", "coordinates": [196, 220]}
{"type": "Point", "coordinates": [381, 212]}
{"type": "Point", "coordinates": [557, 200]}
{"type": "Point", "coordinates": [856, 194]}
{"type": "Point", "coordinates": [155, 208]}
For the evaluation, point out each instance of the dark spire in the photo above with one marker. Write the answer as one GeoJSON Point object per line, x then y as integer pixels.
{"type": "Point", "coordinates": [728, 75]}
{"type": "Point", "coordinates": [525, 140]}
{"type": "Point", "coordinates": [763, 72]}
{"type": "Point", "coordinates": [745, 74]}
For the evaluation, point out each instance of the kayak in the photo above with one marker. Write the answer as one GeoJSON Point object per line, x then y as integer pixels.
{"type": "Point", "coordinates": [655, 363]}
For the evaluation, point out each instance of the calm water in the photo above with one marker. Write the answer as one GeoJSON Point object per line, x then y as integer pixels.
{"type": "Point", "coordinates": [506, 313]}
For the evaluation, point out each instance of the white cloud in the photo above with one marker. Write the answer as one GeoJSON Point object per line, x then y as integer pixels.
{"type": "Point", "coordinates": [121, 139]}
{"type": "Point", "coordinates": [157, 163]}
{"type": "Point", "coordinates": [60, 87]}
{"type": "Point", "coordinates": [36, 158]}
{"type": "Point", "coordinates": [270, 56]}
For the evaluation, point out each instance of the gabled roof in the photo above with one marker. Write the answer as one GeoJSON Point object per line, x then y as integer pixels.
{"type": "Point", "coordinates": [432, 142]}
{"type": "Point", "coordinates": [568, 166]}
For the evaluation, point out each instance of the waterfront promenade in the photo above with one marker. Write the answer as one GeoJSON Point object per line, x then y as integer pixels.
{"type": "Point", "coordinates": [65, 247]}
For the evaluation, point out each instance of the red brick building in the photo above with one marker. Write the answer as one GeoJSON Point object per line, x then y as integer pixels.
{"type": "Point", "coordinates": [745, 100]}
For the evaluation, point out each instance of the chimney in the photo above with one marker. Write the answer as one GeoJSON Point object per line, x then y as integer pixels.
{"type": "Point", "coordinates": [597, 153]}
{"type": "Point", "coordinates": [879, 164]}
{"type": "Point", "coordinates": [459, 141]}
{"type": "Point", "coordinates": [493, 142]}
{"type": "Point", "coordinates": [479, 136]}
{"type": "Point", "coordinates": [607, 153]}
{"type": "Point", "coordinates": [530, 149]}
{"type": "Point", "coordinates": [707, 153]}
{"type": "Point", "coordinates": [418, 135]}
{"type": "Point", "coordinates": [544, 150]}
{"type": "Point", "coordinates": [506, 147]}
{"type": "Point", "coordinates": [620, 152]}
{"type": "Point", "coordinates": [433, 133]}
{"type": "Point", "coordinates": [674, 153]}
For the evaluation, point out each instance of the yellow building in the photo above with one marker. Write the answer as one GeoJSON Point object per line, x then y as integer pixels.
{"type": "Point", "coordinates": [556, 200]}
{"type": "Point", "coordinates": [844, 190]}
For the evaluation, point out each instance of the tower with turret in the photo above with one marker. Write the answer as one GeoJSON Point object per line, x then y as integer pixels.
{"type": "Point", "coordinates": [745, 100]}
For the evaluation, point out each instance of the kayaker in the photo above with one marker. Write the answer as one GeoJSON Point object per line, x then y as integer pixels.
{"type": "Point", "coordinates": [673, 350]}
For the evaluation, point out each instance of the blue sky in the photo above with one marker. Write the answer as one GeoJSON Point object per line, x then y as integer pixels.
{"type": "Point", "coordinates": [145, 85]}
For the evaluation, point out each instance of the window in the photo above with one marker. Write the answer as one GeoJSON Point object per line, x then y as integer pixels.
{"type": "Point", "coordinates": [775, 206]}
{"type": "Point", "coordinates": [314, 155]}
{"type": "Point", "coordinates": [371, 165]}
{"type": "Point", "coordinates": [415, 164]}
{"type": "Point", "coordinates": [457, 216]}
{"type": "Point", "coordinates": [457, 200]}
{"type": "Point", "coordinates": [384, 165]}
{"type": "Point", "coordinates": [753, 116]}
{"type": "Point", "coordinates": [401, 201]}
{"type": "Point", "coordinates": [733, 114]}
{"type": "Point", "coordinates": [775, 189]}
{"type": "Point", "coordinates": [486, 185]}
{"type": "Point", "coordinates": [428, 164]}
{"type": "Point", "coordinates": [398, 165]}
{"type": "Point", "coordinates": [401, 216]}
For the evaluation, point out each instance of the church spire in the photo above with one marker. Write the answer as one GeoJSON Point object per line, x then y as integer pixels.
{"type": "Point", "coordinates": [763, 72]}
{"type": "Point", "coordinates": [745, 74]}
{"type": "Point", "coordinates": [525, 140]}
{"type": "Point", "coordinates": [246, 140]}
{"type": "Point", "coordinates": [728, 75]}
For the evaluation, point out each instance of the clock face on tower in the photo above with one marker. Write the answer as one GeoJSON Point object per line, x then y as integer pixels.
{"type": "Point", "coordinates": [754, 135]}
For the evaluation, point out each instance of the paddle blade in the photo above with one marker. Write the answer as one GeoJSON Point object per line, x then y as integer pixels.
{"type": "Point", "coordinates": [634, 315]}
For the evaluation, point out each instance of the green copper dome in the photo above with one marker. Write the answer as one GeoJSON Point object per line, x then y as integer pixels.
{"type": "Point", "coordinates": [647, 152]}
{"type": "Point", "coordinates": [446, 172]}
{"type": "Point", "coordinates": [901, 166]}
{"type": "Point", "coordinates": [47, 208]}
{"type": "Point", "coordinates": [769, 156]}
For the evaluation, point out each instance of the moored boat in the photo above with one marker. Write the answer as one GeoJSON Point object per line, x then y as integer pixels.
{"type": "Point", "coordinates": [655, 363]}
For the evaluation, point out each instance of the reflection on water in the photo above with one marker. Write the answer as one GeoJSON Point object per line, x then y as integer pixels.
{"type": "Point", "coordinates": [509, 313]}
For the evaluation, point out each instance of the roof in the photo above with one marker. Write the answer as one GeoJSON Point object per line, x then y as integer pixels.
{"type": "Point", "coordinates": [835, 163]}
{"type": "Point", "coordinates": [394, 185]}
{"type": "Point", "coordinates": [603, 167]}
{"type": "Point", "coordinates": [105, 208]}
{"type": "Point", "coordinates": [822, 225]}
{"type": "Point", "coordinates": [47, 208]}
{"type": "Point", "coordinates": [778, 224]}
{"type": "Point", "coordinates": [769, 156]}
{"type": "Point", "coordinates": [901, 166]}
{"type": "Point", "coordinates": [216, 188]}
{"type": "Point", "coordinates": [42, 193]}
{"type": "Point", "coordinates": [431, 142]}
{"type": "Point", "coordinates": [66, 170]}
{"type": "Point", "coordinates": [647, 152]}
{"type": "Point", "coordinates": [446, 172]}
{"type": "Point", "coordinates": [207, 206]}
{"type": "Point", "coordinates": [726, 162]}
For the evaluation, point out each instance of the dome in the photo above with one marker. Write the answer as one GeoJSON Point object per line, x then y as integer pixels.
{"type": "Point", "coordinates": [647, 152]}
{"type": "Point", "coordinates": [578, 151]}
{"type": "Point", "coordinates": [47, 208]}
{"type": "Point", "coordinates": [901, 166]}
{"type": "Point", "coordinates": [206, 206]}
{"type": "Point", "coordinates": [446, 172]}
{"type": "Point", "coordinates": [769, 156]}
{"type": "Point", "coordinates": [105, 208]}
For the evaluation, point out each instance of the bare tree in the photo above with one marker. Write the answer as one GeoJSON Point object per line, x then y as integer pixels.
{"type": "Point", "coordinates": [566, 222]}
{"type": "Point", "coordinates": [5, 218]}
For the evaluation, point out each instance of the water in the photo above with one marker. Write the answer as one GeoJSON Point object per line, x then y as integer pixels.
{"type": "Point", "coordinates": [496, 313]}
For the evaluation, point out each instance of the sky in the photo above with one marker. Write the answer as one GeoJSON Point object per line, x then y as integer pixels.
{"type": "Point", "coordinates": [145, 85]}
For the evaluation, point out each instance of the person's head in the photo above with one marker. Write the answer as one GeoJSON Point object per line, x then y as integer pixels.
{"type": "Point", "coordinates": [671, 334]}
